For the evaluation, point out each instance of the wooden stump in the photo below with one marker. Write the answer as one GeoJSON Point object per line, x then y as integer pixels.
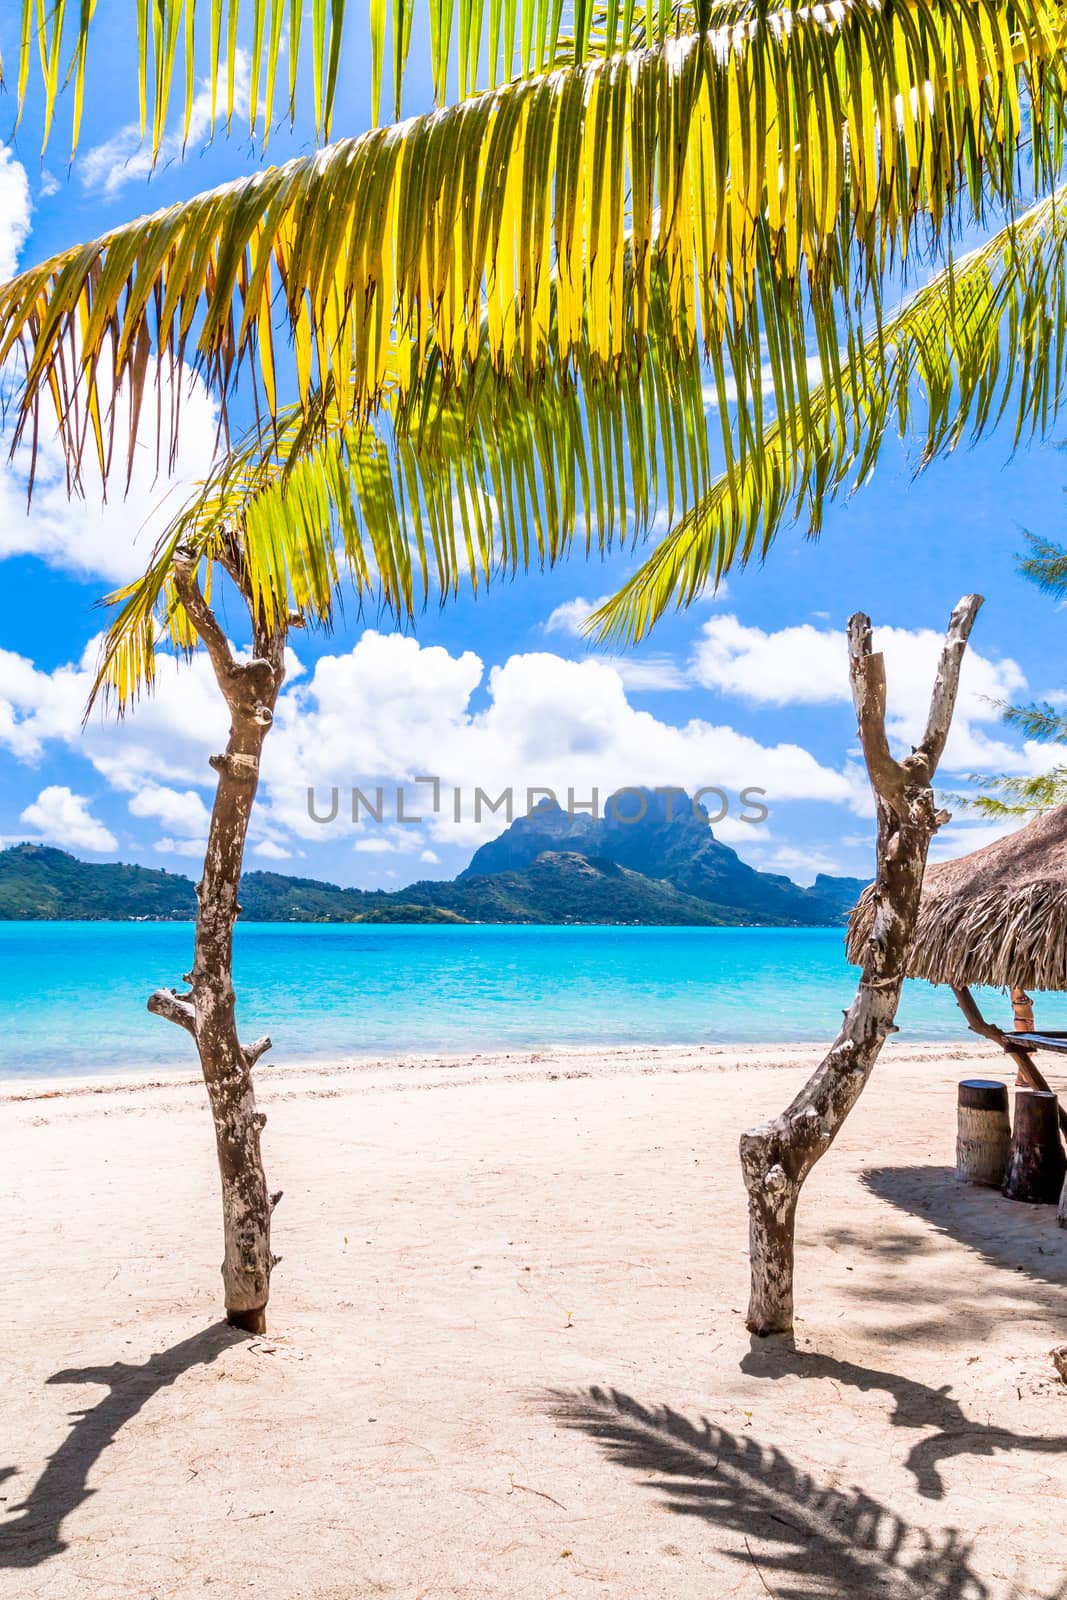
{"type": "Point", "coordinates": [1036, 1162]}
{"type": "Point", "coordinates": [983, 1132]}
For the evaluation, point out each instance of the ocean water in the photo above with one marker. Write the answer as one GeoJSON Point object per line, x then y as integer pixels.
{"type": "Point", "coordinates": [72, 994]}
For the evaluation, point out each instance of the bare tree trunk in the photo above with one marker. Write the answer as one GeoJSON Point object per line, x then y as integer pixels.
{"type": "Point", "coordinates": [207, 1011]}
{"type": "Point", "coordinates": [777, 1156]}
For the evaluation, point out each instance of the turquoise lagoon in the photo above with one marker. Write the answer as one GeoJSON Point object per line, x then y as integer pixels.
{"type": "Point", "coordinates": [72, 994]}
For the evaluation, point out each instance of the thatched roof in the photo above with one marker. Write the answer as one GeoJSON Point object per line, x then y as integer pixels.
{"type": "Point", "coordinates": [996, 916]}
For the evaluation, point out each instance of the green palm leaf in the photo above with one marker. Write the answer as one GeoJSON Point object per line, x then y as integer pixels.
{"type": "Point", "coordinates": [735, 162]}
{"type": "Point", "coordinates": [428, 496]}
{"type": "Point", "coordinates": [472, 46]}
{"type": "Point", "coordinates": [984, 341]}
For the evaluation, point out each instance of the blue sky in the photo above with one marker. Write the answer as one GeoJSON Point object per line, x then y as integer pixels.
{"type": "Point", "coordinates": [747, 688]}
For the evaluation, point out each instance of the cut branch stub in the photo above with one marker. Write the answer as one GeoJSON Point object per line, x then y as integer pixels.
{"type": "Point", "coordinates": [867, 676]}
{"type": "Point", "coordinates": [947, 683]}
{"type": "Point", "coordinates": [175, 1008]}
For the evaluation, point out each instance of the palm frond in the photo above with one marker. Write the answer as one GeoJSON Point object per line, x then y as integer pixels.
{"type": "Point", "coordinates": [471, 47]}
{"type": "Point", "coordinates": [985, 339]}
{"type": "Point", "coordinates": [430, 495]}
{"type": "Point", "coordinates": [766, 149]}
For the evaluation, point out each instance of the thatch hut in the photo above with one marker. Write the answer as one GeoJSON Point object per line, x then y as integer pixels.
{"type": "Point", "coordinates": [997, 916]}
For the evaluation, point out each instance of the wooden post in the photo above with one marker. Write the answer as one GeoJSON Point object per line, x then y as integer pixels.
{"type": "Point", "coordinates": [1027, 1073]}
{"type": "Point", "coordinates": [1036, 1164]}
{"type": "Point", "coordinates": [983, 1132]}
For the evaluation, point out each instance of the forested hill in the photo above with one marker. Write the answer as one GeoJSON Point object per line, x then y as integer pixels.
{"type": "Point", "coordinates": [542, 869]}
{"type": "Point", "coordinates": [38, 881]}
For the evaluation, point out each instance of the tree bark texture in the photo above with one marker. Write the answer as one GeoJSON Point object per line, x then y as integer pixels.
{"type": "Point", "coordinates": [207, 1010]}
{"type": "Point", "coordinates": [777, 1156]}
{"type": "Point", "coordinates": [1036, 1165]}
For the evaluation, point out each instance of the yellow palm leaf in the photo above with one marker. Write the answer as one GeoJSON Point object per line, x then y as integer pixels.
{"type": "Point", "coordinates": [984, 341]}
{"type": "Point", "coordinates": [877, 118]}
{"type": "Point", "coordinates": [457, 488]}
{"type": "Point", "coordinates": [477, 44]}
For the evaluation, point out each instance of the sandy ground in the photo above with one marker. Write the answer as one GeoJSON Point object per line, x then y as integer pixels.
{"type": "Point", "coordinates": [507, 1355]}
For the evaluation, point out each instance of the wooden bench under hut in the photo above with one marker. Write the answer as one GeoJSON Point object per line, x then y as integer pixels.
{"type": "Point", "coordinates": [996, 917]}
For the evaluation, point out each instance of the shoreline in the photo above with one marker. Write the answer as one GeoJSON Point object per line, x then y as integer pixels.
{"type": "Point", "coordinates": [442, 1068]}
{"type": "Point", "coordinates": [506, 1350]}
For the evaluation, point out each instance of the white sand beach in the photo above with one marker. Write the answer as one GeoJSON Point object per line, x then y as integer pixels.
{"type": "Point", "coordinates": [507, 1354]}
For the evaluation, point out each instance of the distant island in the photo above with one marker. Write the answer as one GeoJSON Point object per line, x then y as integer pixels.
{"type": "Point", "coordinates": [551, 867]}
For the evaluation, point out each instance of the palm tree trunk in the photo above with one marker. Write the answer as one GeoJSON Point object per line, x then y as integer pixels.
{"type": "Point", "coordinates": [207, 1011]}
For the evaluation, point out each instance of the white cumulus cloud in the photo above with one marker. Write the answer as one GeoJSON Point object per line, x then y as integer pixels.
{"type": "Point", "coordinates": [182, 810]}
{"type": "Point", "coordinates": [390, 710]}
{"type": "Point", "coordinates": [805, 665]}
{"type": "Point", "coordinates": [270, 851]}
{"type": "Point", "coordinates": [125, 158]}
{"type": "Point", "coordinates": [181, 847]}
{"type": "Point", "coordinates": [15, 212]}
{"type": "Point", "coordinates": [572, 616]}
{"type": "Point", "coordinates": [64, 818]}
{"type": "Point", "coordinates": [110, 539]}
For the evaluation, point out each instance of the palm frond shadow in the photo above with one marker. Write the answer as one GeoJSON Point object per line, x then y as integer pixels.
{"type": "Point", "coordinates": [804, 1539]}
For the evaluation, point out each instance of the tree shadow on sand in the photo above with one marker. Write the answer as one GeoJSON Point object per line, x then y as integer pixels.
{"type": "Point", "coordinates": [1005, 1233]}
{"type": "Point", "coordinates": [904, 1276]}
{"type": "Point", "coordinates": [803, 1539]}
{"type": "Point", "coordinates": [916, 1405]}
{"type": "Point", "coordinates": [34, 1535]}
